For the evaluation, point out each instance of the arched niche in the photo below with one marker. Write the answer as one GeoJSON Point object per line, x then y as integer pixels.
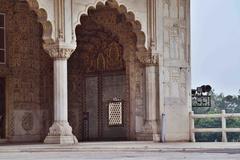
{"type": "Point", "coordinates": [109, 39]}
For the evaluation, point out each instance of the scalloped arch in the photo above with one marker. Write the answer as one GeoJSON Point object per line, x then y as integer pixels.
{"type": "Point", "coordinates": [43, 19]}
{"type": "Point", "coordinates": [129, 16]}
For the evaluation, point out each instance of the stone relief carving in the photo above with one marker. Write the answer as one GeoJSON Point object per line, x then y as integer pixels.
{"type": "Point", "coordinates": [174, 41]}
{"type": "Point", "coordinates": [119, 21]}
{"type": "Point", "coordinates": [175, 76]}
{"type": "Point", "coordinates": [56, 51]}
{"type": "Point", "coordinates": [166, 8]}
{"type": "Point", "coordinates": [27, 121]}
{"type": "Point", "coordinates": [148, 59]}
{"type": "Point", "coordinates": [182, 9]}
{"type": "Point", "coordinates": [104, 53]}
{"type": "Point", "coordinates": [175, 30]}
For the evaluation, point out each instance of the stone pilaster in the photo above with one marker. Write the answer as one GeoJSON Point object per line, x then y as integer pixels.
{"type": "Point", "coordinates": [151, 101]}
{"type": "Point", "coordinates": [60, 132]}
{"type": "Point", "coordinates": [152, 111]}
{"type": "Point", "coordinates": [150, 60]}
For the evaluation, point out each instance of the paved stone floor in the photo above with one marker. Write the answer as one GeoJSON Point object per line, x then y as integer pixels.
{"type": "Point", "coordinates": [118, 156]}
{"type": "Point", "coordinates": [122, 151]}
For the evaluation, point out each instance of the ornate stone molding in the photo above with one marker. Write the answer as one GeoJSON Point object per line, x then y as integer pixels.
{"type": "Point", "coordinates": [59, 51]}
{"type": "Point", "coordinates": [148, 58]}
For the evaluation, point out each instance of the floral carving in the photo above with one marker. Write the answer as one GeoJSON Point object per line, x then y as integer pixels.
{"type": "Point", "coordinates": [104, 53]}
{"type": "Point", "coordinates": [27, 121]}
{"type": "Point", "coordinates": [148, 59]}
{"type": "Point", "coordinates": [59, 52]}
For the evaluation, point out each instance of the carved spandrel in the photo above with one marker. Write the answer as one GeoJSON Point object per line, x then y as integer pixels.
{"type": "Point", "coordinates": [103, 53]}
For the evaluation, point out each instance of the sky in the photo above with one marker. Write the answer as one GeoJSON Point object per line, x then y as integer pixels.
{"type": "Point", "coordinates": [215, 44]}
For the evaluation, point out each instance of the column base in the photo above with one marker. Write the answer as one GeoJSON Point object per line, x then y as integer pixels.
{"type": "Point", "coordinates": [148, 127]}
{"type": "Point", "coordinates": [152, 128]}
{"type": "Point", "coordinates": [60, 133]}
{"type": "Point", "coordinates": [61, 140]}
{"type": "Point", "coordinates": [156, 137]}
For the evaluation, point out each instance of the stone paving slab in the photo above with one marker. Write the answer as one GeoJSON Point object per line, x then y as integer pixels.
{"type": "Point", "coordinates": [121, 151]}
{"type": "Point", "coordinates": [122, 146]}
{"type": "Point", "coordinates": [105, 155]}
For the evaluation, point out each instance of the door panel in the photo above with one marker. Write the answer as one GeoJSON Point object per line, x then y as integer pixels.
{"type": "Point", "coordinates": [113, 87]}
{"type": "Point", "coordinates": [92, 106]}
{"type": "Point", "coordinates": [100, 90]}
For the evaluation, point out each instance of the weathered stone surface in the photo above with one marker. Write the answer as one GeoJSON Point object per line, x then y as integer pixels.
{"type": "Point", "coordinates": [60, 133]}
{"type": "Point", "coordinates": [106, 48]}
{"type": "Point", "coordinates": [148, 41]}
{"type": "Point", "coordinates": [28, 74]}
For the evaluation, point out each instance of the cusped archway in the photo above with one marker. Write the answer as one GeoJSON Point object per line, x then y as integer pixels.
{"type": "Point", "coordinates": [109, 40]}
{"type": "Point", "coordinates": [42, 18]}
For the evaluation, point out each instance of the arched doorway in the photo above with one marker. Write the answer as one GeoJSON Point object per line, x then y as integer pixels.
{"type": "Point", "coordinates": [105, 74]}
{"type": "Point", "coordinates": [102, 70]}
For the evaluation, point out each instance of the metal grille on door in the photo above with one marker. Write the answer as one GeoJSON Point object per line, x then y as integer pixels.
{"type": "Point", "coordinates": [115, 113]}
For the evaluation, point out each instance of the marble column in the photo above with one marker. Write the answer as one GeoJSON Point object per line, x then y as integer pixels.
{"type": "Point", "coordinates": [60, 132]}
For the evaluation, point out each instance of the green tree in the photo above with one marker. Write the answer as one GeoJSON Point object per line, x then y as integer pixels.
{"type": "Point", "coordinates": [229, 103]}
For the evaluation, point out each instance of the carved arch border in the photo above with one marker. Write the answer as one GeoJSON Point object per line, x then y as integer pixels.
{"type": "Point", "coordinates": [43, 20]}
{"type": "Point", "coordinates": [130, 19]}
{"type": "Point", "coordinates": [135, 57]}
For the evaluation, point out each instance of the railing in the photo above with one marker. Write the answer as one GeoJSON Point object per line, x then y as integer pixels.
{"type": "Point", "coordinates": [223, 116]}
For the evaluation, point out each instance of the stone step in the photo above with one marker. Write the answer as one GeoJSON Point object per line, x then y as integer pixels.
{"type": "Point", "coordinates": [2, 141]}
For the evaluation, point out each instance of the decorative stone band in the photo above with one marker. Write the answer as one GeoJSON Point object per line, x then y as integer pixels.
{"type": "Point", "coordinates": [59, 51]}
{"type": "Point", "coordinates": [148, 58]}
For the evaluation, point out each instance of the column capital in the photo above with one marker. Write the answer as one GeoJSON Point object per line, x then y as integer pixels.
{"type": "Point", "coordinates": [148, 58]}
{"type": "Point", "coordinates": [60, 51]}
